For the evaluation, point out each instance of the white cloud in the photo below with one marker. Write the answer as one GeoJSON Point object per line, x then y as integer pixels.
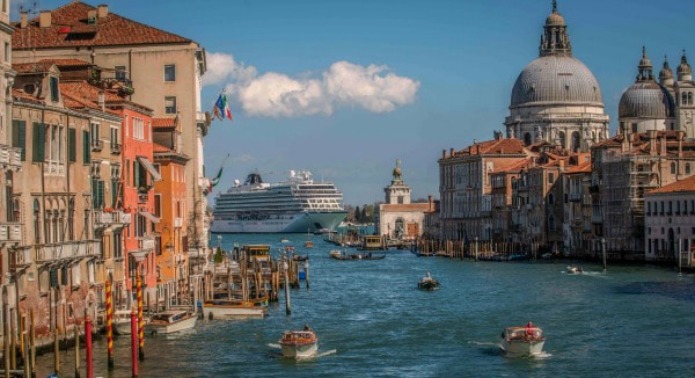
{"type": "Point", "coordinates": [373, 88]}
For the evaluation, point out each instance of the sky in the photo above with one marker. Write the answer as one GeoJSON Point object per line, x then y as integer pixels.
{"type": "Point", "coordinates": [344, 88]}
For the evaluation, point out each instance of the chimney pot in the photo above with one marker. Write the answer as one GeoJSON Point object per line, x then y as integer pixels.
{"type": "Point", "coordinates": [24, 20]}
{"type": "Point", "coordinates": [102, 10]}
{"type": "Point", "coordinates": [45, 19]}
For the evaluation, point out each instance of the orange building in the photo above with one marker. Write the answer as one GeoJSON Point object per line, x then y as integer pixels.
{"type": "Point", "coordinates": [170, 206]}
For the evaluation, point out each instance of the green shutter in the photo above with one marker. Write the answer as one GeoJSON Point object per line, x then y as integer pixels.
{"type": "Point", "coordinates": [19, 136]}
{"type": "Point", "coordinates": [39, 143]}
{"type": "Point", "coordinates": [114, 193]}
{"type": "Point", "coordinates": [86, 150]}
{"type": "Point", "coordinates": [100, 194]}
{"type": "Point", "coordinates": [72, 145]}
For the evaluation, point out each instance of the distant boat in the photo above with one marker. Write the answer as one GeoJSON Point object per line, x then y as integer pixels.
{"type": "Point", "coordinates": [299, 344]}
{"type": "Point", "coordinates": [170, 322]}
{"type": "Point", "coordinates": [308, 243]}
{"type": "Point", "coordinates": [234, 308]}
{"type": "Point", "coordinates": [428, 283]}
{"type": "Point", "coordinates": [523, 341]}
{"type": "Point", "coordinates": [574, 269]}
{"type": "Point", "coordinates": [339, 255]}
{"type": "Point", "coordinates": [284, 241]}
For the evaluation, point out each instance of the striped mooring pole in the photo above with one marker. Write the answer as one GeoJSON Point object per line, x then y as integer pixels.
{"type": "Point", "coordinates": [141, 321]}
{"type": "Point", "coordinates": [109, 325]}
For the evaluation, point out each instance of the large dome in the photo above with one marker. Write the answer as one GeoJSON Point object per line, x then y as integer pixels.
{"type": "Point", "coordinates": [646, 99]}
{"type": "Point", "coordinates": [556, 79]}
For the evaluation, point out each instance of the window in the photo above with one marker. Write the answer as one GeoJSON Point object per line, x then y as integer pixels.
{"type": "Point", "coordinates": [7, 52]}
{"type": "Point", "coordinates": [551, 178]}
{"type": "Point", "coordinates": [673, 168]}
{"type": "Point", "coordinates": [55, 93]}
{"type": "Point", "coordinates": [634, 127]}
{"type": "Point", "coordinates": [120, 72]}
{"type": "Point", "coordinates": [19, 136]}
{"type": "Point", "coordinates": [170, 105]}
{"type": "Point", "coordinates": [114, 137]}
{"type": "Point", "coordinates": [169, 72]}
{"type": "Point", "coordinates": [158, 205]}
{"type": "Point", "coordinates": [94, 133]}
{"type": "Point", "coordinates": [687, 168]}
{"type": "Point", "coordinates": [37, 222]}
{"type": "Point", "coordinates": [86, 150]}
{"type": "Point", "coordinates": [138, 129]}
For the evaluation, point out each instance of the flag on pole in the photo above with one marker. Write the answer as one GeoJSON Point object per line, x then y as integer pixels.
{"type": "Point", "coordinates": [221, 110]}
{"type": "Point", "coordinates": [216, 180]}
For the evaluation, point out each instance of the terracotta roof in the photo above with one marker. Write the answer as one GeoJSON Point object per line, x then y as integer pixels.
{"type": "Point", "coordinates": [66, 62]}
{"type": "Point", "coordinates": [18, 94]}
{"type": "Point", "coordinates": [163, 123]}
{"type": "Point", "coordinates": [414, 207]}
{"type": "Point", "coordinates": [35, 67]}
{"type": "Point", "coordinates": [513, 167]}
{"type": "Point", "coordinates": [583, 167]}
{"type": "Point", "coordinates": [685, 185]}
{"type": "Point", "coordinates": [156, 147]}
{"type": "Point", "coordinates": [80, 95]}
{"type": "Point", "coordinates": [493, 147]}
{"type": "Point", "coordinates": [69, 28]}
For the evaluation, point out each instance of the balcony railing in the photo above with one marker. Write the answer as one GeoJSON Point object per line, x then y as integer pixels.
{"type": "Point", "coordinates": [68, 250]}
{"type": "Point", "coordinates": [54, 168]}
{"type": "Point", "coordinates": [24, 257]}
{"type": "Point", "coordinates": [146, 243]}
{"type": "Point", "coordinates": [10, 233]}
{"type": "Point", "coordinates": [10, 157]}
{"type": "Point", "coordinates": [104, 218]}
{"type": "Point", "coordinates": [123, 217]}
{"type": "Point", "coordinates": [116, 148]}
{"type": "Point", "coordinates": [97, 145]}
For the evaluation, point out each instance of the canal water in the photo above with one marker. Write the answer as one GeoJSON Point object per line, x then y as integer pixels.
{"type": "Point", "coordinates": [632, 321]}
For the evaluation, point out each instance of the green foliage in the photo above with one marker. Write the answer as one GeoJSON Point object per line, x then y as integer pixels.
{"type": "Point", "coordinates": [219, 256]}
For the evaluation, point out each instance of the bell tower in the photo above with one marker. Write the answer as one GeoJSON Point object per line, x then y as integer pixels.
{"type": "Point", "coordinates": [398, 193]}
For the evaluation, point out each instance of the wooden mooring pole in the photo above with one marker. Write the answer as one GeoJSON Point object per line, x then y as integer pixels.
{"type": "Point", "coordinates": [288, 306]}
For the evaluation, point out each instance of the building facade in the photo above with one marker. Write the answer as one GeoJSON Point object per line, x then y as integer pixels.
{"type": "Point", "coordinates": [398, 218]}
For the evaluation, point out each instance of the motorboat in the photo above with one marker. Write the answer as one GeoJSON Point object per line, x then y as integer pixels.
{"type": "Point", "coordinates": [170, 322]}
{"type": "Point", "coordinates": [235, 309]}
{"type": "Point", "coordinates": [121, 322]}
{"type": "Point", "coordinates": [308, 244]}
{"type": "Point", "coordinates": [574, 269]}
{"type": "Point", "coordinates": [523, 340]}
{"type": "Point", "coordinates": [428, 283]}
{"type": "Point", "coordinates": [299, 344]}
{"type": "Point", "coordinates": [338, 255]}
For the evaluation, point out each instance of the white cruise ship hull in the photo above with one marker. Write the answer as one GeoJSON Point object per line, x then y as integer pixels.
{"type": "Point", "coordinates": [296, 223]}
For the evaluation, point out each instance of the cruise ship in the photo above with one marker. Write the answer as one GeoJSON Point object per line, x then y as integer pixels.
{"type": "Point", "coordinates": [296, 205]}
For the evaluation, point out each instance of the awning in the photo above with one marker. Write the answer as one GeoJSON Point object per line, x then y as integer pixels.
{"type": "Point", "coordinates": [150, 216]}
{"type": "Point", "coordinates": [150, 168]}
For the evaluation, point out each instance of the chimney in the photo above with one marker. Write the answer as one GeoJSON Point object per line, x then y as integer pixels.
{"type": "Point", "coordinates": [24, 20]}
{"type": "Point", "coordinates": [451, 152]}
{"type": "Point", "coordinates": [102, 102]}
{"type": "Point", "coordinates": [431, 202]}
{"type": "Point", "coordinates": [443, 154]}
{"type": "Point", "coordinates": [102, 10]}
{"type": "Point", "coordinates": [45, 19]}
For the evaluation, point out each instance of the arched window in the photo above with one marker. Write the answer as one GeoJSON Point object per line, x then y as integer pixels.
{"type": "Point", "coordinates": [37, 222]}
{"type": "Point", "coordinates": [576, 141]}
{"type": "Point", "coordinates": [684, 98]}
{"type": "Point", "coordinates": [527, 139]}
{"type": "Point", "coordinates": [673, 168]}
{"type": "Point", "coordinates": [690, 98]}
{"type": "Point", "coordinates": [563, 139]}
{"type": "Point", "coordinates": [17, 215]}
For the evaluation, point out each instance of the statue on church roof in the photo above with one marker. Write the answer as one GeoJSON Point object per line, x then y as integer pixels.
{"type": "Point", "coordinates": [397, 170]}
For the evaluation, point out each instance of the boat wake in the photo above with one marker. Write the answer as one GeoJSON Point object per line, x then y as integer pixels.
{"type": "Point", "coordinates": [318, 355]}
{"type": "Point", "coordinates": [485, 343]}
{"type": "Point", "coordinates": [274, 346]}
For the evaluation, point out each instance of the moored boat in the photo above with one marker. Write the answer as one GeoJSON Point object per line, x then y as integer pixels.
{"type": "Point", "coordinates": [523, 341]}
{"type": "Point", "coordinates": [235, 309]}
{"type": "Point", "coordinates": [428, 283]}
{"type": "Point", "coordinates": [170, 322]}
{"type": "Point", "coordinates": [338, 255]}
{"type": "Point", "coordinates": [121, 322]}
{"type": "Point", "coordinates": [299, 344]}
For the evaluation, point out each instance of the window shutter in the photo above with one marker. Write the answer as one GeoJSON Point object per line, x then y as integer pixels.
{"type": "Point", "coordinates": [72, 145]}
{"type": "Point", "coordinates": [136, 169]}
{"type": "Point", "coordinates": [86, 151]}
{"type": "Point", "coordinates": [39, 143]}
{"type": "Point", "coordinates": [100, 193]}
{"type": "Point", "coordinates": [19, 136]}
{"type": "Point", "coordinates": [114, 193]}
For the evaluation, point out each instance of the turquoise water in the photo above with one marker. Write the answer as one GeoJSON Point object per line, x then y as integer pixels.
{"type": "Point", "coordinates": [630, 322]}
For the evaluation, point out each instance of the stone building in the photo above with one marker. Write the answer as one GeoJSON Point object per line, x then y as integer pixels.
{"type": "Point", "coordinates": [669, 223]}
{"type": "Point", "coordinates": [398, 218]}
{"type": "Point", "coordinates": [576, 227]}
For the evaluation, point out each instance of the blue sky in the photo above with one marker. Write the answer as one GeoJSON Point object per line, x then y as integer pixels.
{"type": "Point", "coordinates": [345, 87]}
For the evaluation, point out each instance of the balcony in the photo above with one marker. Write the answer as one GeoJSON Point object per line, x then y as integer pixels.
{"type": "Point", "coordinates": [23, 257]}
{"type": "Point", "coordinates": [68, 250]}
{"type": "Point", "coordinates": [10, 233]}
{"type": "Point", "coordinates": [116, 148]}
{"type": "Point", "coordinates": [142, 197]}
{"type": "Point", "coordinates": [104, 218]}
{"type": "Point", "coordinates": [10, 157]}
{"type": "Point", "coordinates": [54, 168]}
{"type": "Point", "coordinates": [123, 217]}
{"type": "Point", "coordinates": [97, 145]}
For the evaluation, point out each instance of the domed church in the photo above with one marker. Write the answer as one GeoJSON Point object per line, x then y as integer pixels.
{"type": "Point", "coordinates": [556, 98]}
{"type": "Point", "coordinates": [664, 105]}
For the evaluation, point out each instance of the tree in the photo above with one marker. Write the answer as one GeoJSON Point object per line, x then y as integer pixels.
{"type": "Point", "coordinates": [357, 214]}
{"type": "Point", "coordinates": [363, 215]}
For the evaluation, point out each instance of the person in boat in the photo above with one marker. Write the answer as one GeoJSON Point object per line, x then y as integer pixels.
{"type": "Point", "coordinates": [529, 330]}
{"type": "Point", "coordinates": [307, 328]}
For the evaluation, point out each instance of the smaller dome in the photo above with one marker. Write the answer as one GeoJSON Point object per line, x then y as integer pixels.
{"type": "Point", "coordinates": [666, 73]}
{"type": "Point", "coordinates": [684, 68]}
{"type": "Point", "coordinates": [397, 172]}
{"type": "Point", "coordinates": [646, 99]}
{"type": "Point", "coordinates": [555, 20]}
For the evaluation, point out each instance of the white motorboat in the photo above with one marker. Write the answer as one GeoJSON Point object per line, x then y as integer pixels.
{"type": "Point", "coordinates": [428, 283]}
{"type": "Point", "coordinates": [234, 309]}
{"type": "Point", "coordinates": [523, 341]}
{"type": "Point", "coordinates": [574, 269]}
{"type": "Point", "coordinates": [121, 322]}
{"type": "Point", "coordinates": [170, 322]}
{"type": "Point", "coordinates": [299, 344]}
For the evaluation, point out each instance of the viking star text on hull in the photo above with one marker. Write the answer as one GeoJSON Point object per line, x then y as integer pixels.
{"type": "Point", "coordinates": [296, 205]}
